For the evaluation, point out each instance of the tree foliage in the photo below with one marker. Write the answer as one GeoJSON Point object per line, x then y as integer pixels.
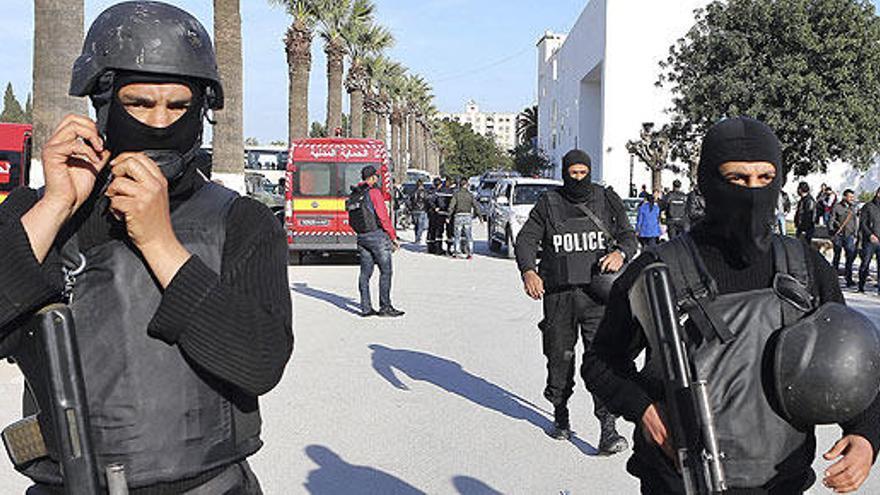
{"type": "Point", "coordinates": [527, 125]}
{"type": "Point", "coordinates": [530, 161]}
{"type": "Point", "coordinates": [467, 153]}
{"type": "Point", "coordinates": [808, 68]}
{"type": "Point", "coordinates": [12, 111]}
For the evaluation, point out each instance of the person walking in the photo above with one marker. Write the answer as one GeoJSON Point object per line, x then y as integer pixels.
{"type": "Point", "coordinates": [376, 240]}
{"type": "Point", "coordinates": [869, 229]}
{"type": "Point", "coordinates": [725, 275]}
{"type": "Point", "coordinates": [585, 238]}
{"type": "Point", "coordinates": [675, 208]}
{"type": "Point", "coordinates": [450, 187]}
{"type": "Point", "coordinates": [783, 207]}
{"type": "Point", "coordinates": [418, 202]}
{"type": "Point", "coordinates": [648, 222]}
{"type": "Point", "coordinates": [805, 215]}
{"type": "Point", "coordinates": [844, 229]}
{"type": "Point", "coordinates": [462, 210]}
{"type": "Point", "coordinates": [178, 287]}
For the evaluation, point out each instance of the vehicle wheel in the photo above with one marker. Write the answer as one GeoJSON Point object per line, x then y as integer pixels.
{"type": "Point", "coordinates": [511, 249]}
{"type": "Point", "coordinates": [295, 258]}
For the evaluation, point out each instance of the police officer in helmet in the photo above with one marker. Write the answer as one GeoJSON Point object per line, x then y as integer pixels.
{"type": "Point", "coordinates": [181, 302]}
{"type": "Point", "coordinates": [765, 327]}
{"type": "Point", "coordinates": [585, 238]}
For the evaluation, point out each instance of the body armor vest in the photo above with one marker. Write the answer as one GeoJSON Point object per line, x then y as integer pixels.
{"type": "Point", "coordinates": [730, 338]}
{"type": "Point", "coordinates": [149, 408]}
{"type": "Point", "coordinates": [573, 244]}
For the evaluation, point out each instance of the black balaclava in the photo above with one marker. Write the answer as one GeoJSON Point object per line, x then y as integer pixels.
{"type": "Point", "coordinates": [574, 190]}
{"type": "Point", "coordinates": [173, 147]}
{"type": "Point", "coordinates": [741, 216]}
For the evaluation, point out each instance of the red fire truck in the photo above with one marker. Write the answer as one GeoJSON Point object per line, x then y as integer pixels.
{"type": "Point", "coordinates": [320, 173]}
{"type": "Point", "coordinates": [15, 157]}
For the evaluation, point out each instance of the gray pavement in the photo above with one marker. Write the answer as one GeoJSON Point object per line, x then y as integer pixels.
{"type": "Point", "coordinates": [446, 400]}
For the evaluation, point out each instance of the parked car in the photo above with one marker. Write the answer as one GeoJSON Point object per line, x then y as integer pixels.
{"type": "Point", "coordinates": [487, 184]}
{"type": "Point", "coordinates": [512, 201]}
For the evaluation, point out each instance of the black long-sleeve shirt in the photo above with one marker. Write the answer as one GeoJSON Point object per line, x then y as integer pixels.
{"type": "Point", "coordinates": [536, 231]}
{"type": "Point", "coordinates": [237, 324]}
{"type": "Point", "coordinates": [869, 220]}
{"type": "Point", "coordinates": [609, 369]}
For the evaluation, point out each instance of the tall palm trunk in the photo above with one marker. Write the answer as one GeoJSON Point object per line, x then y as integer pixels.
{"type": "Point", "coordinates": [410, 140]}
{"type": "Point", "coordinates": [335, 51]}
{"type": "Point", "coordinates": [399, 166]}
{"type": "Point", "coordinates": [228, 146]}
{"type": "Point", "coordinates": [58, 38]}
{"type": "Point", "coordinates": [354, 84]}
{"type": "Point", "coordinates": [298, 44]}
{"type": "Point", "coordinates": [369, 123]}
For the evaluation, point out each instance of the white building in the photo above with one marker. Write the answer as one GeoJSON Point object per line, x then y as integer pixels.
{"type": "Point", "coordinates": [596, 85]}
{"type": "Point", "coordinates": [497, 125]}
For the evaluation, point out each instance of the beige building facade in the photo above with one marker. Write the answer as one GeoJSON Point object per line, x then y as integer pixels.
{"type": "Point", "coordinates": [498, 125]}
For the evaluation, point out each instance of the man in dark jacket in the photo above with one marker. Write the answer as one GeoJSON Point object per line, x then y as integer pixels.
{"type": "Point", "coordinates": [178, 287]}
{"type": "Point", "coordinates": [585, 238]}
{"type": "Point", "coordinates": [375, 246]}
{"type": "Point", "coordinates": [844, 230]}
{"type": "Point", "coordinates": [736, 255]}
{"type": "Point", "coordinates": [869, 229]}
{"type": "Point", "coordinates": [695, 207]}
{"type": "Point", "coordinates": [418, 204]}
{"type": "Point", "coordinates": [805, 215]}
{"type": "Point", "coordinates": [675, 208]}
{"type": "Point", "coordinates": [462, 210]}
{"type": "Point", "coordinates": [436, 218]}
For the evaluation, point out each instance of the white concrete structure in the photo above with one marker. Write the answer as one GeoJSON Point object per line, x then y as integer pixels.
{"type": "Point", "coordinates": [498, 125]}
{"type": "Point", "coordinates": [596, 85]}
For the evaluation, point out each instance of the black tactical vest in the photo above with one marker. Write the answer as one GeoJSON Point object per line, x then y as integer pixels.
{"type": "Point", "coordinates": [573, 244]}
{"type": "Point", "coordinates": [149, 409]}
{"type": "Point", "coordinates": [730, 336]}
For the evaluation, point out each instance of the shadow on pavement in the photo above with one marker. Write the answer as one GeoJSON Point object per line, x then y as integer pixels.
{"type": "Point", "coordinates": [451, 377]}
{"type": "Point", "coordinates": [334, 476]}
{"type": "Point", "coordinates": [465, 485]}
{"type": "Point", "coordinates": [341, 302]}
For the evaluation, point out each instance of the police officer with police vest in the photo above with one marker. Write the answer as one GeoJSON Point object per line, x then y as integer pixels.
{"type": "Point", "coordinates": [585, 238]}
{"type": "Point", "coordinates": [177, 286]}
{"type": "Point", "coordinates": [675, 209]}
{"type": "Point", "coordinates": [766, 328]}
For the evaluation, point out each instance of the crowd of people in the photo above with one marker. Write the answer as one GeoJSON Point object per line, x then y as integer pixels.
{"type": "Point", "coordinates": [444, 214]}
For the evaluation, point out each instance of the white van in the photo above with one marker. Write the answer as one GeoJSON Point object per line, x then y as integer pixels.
{"type": "Point", "coordinates": [512, 200]}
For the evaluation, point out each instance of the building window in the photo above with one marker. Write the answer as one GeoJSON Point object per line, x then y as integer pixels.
{"type": "Point", "coordinates": [555, 70]}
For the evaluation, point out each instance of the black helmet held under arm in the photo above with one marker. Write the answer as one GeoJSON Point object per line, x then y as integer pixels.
{"type": "Point", "coordinates": [826, 367]}
{"type": "Point", "coordinates": [147, 37]}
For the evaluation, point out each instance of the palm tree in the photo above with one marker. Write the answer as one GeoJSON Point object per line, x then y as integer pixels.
{"type": "Point", "coordinates": [527, 125]}
{"type": "Point", "coordinates": [58, 37]}
{"type": "Point", "coordinates": [298, 46]}
{"type": "Point", "coordinates": [380, 70]}
{"type": "Point", "coordinates": [362, 39]}
{"type": "Point", "coordinates": [335, 17]}
{"type": "Point", "coordinates": [417, 95]}
{"type": "Point", "coordinates": [396, 86]}
{"type": "Point", "coordinates": [228, 145]}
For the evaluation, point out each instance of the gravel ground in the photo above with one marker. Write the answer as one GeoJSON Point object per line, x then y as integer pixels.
{"type": "Point", "coordinates": [446, 400]}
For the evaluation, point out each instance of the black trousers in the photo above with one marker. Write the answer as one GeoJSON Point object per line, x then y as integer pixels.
{"type": "Point", "coordinates": [436, 226]}
{"type": "Point", "coordinates": [568, 314]}
{"type": "Point", "coordinates": [675, 228]}
{"type": "Point", "coordinates": [237, 479]}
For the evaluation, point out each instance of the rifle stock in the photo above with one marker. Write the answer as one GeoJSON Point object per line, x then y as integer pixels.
{"type": "Point", "coordinates": [653, 302]}
{"type": "Point", "coordinates": [47, 354]}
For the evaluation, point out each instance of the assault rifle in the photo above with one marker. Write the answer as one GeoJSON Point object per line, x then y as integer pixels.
{"type": "Point", "coordinates": [653, 302]}
{"type": "Point", "coordinates": [45, 350]}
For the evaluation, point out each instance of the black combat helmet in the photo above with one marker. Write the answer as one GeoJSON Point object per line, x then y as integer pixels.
{"type": "Point", "coordinates": [826, 367]}
{"type": "Point", "coordinates": [147, 37]}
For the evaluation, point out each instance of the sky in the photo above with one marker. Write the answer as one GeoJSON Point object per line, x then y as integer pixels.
{"type": "Point", "coordinates": [467, 49]}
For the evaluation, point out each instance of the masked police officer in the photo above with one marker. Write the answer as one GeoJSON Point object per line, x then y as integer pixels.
{"type": "Point", "coordinates": [585, 237]}
{"type": "Point", "coordinates": [758, 308]}
{"type": "Point", "coordinates": [179, 295]}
